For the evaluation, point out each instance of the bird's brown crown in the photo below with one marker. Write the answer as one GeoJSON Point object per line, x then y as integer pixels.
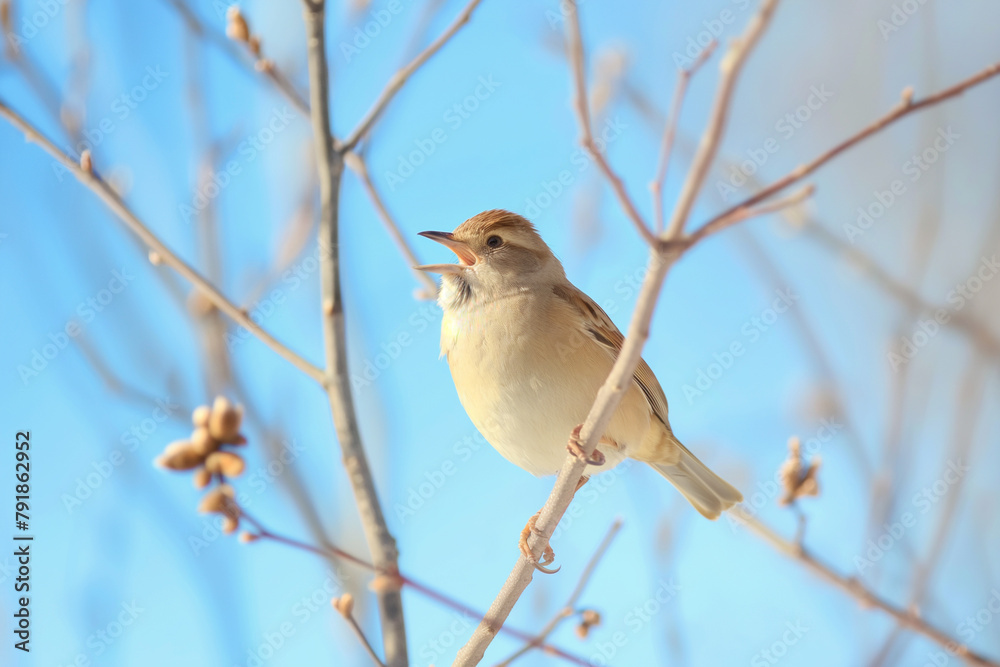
{"type": "Point", "coordinates": [489, 222]}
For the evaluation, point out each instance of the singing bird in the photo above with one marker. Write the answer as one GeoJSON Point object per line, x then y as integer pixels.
{"type": "Point", "coordinates": [528, 352]}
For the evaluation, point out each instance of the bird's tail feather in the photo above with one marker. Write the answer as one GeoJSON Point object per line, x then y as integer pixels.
{"type": "Point", "coordinates": [707, 492]}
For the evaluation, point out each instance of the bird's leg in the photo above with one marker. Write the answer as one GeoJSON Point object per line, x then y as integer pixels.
{"type": "Point", "coordinates": [575, 448]}
{"type": "Point", "coordinates": [548, 555]}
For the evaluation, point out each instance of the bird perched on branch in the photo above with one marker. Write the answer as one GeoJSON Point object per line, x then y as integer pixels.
{"type": "Point", "coordinates": [528, 352]}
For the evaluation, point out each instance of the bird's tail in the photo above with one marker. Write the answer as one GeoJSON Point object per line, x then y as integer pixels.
{"type": "Point", "coordinates": [707, 492]}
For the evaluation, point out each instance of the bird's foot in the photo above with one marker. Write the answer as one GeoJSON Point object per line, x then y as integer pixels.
{"type": "Point", "coordinates": [576, 449]}
{"type": "Point", "coordinates": [548, 555]}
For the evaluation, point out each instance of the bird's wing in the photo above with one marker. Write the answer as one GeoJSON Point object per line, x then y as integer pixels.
{"type": "Point", "coordinates": [599, 326]}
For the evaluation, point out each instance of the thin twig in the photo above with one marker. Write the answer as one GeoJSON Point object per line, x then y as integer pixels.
{"type": "Point", "coordinates": [107, 194]}
{"type": "Point", "coordinates": [569, 608]}
{"type": "Point", "coordinates": [399, 79]}
{"type": "Point", "coordinates": [218, 39]}
{"type": "Point", "coordinates": [904, 108]}
{"type": "Point", "coordinates": [866, 597]}
{"type": "Point", "coordinates": [330, 167]}
{"type": "Point", "coordinates": [357, 164]}
{"type": "Point", "coordinates": [684, 76]}
{"type": "Point", "coordinates": [331, 551]}
{"type": "Point", "coordinates": [749, 212]}
{"type": "Point", "coordinates": [610, 394]}
{"type": "Point", "coordinates": [574, 46]}
{"type": "Point", "coordinates": [978, 332]}
{"type": "Point", "coordinates": [353, 623]}
{"type": "Point", "coordinates": [730, 68]}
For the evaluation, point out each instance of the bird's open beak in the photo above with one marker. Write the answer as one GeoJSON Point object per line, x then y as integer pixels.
{"type": "Point", "coordinates": [466, 257]}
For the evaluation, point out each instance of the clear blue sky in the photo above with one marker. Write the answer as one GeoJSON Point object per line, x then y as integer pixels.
{"type": "Point", "coordinates": [120, 577]}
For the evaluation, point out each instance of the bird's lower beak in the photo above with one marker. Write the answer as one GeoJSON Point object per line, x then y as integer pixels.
{"type": "Point", "coordinates": [466, 257]}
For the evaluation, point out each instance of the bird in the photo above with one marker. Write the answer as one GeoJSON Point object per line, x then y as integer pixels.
{"type": "Point", "coordinates": [528, 352]}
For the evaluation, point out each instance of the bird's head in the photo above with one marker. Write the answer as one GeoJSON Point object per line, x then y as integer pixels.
{"type": "Point", "coordinates": [498, 251]}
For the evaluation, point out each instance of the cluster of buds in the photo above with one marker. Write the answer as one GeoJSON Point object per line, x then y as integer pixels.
{"type": "Point", "coordinates": [589, 618]}
{"type": "Point", "coordinates": [798, 478]}
{"type": "Point", "coordinates": [205, 452]}
{"type": "Point", "coordinates": [238, 30]}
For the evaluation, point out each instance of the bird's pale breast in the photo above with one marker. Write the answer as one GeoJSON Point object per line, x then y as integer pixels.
{"type": "Point", "coordinates": [526, 381]}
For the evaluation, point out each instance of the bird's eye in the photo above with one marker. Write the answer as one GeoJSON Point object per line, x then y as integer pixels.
{"type": "Point", "coordinates": [494, 242]}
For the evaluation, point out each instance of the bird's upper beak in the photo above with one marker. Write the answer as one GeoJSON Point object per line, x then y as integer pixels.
{"type": "Point", "coordinates": [466, 257]}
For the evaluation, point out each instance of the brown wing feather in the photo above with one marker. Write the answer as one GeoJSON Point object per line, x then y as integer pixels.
{"type": "Point", "coordinates": [599, 326]}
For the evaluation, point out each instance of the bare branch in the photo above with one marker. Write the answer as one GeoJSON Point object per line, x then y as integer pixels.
{"type": "Point", "coordinates": [399, 79]}
{"type": "Point", "coordinates": [107, 194]}
{"type": "Point", "coordinates": [730, 67]}
{"type": "Point", "coordinates": [978, 332]}
{"type": "Point", "coordinates": [748, 212]}
{"type": "Point", "coordinates": [670, 131]}
{"type": "Point", "coordinates": [905, 107]}
{"type": "Point", "coordinates": [662, 258]}
{"type": "Point", "coordinates": [228, 47]}
{"type": "Point", "coordinates": [330, 167]}
{"type": "Point", "coordinates": [574, 46]}
{"type": "Point", "coordinates": [356, 163]}
{"type": "Point", "coordinates": [864, 596]}
{"type": "Point", "coordinates": [331, 551]}
{"type": "Point", "coordinates": [348, 615]}
{"type": "Point", "coordinates": [569, 608]}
